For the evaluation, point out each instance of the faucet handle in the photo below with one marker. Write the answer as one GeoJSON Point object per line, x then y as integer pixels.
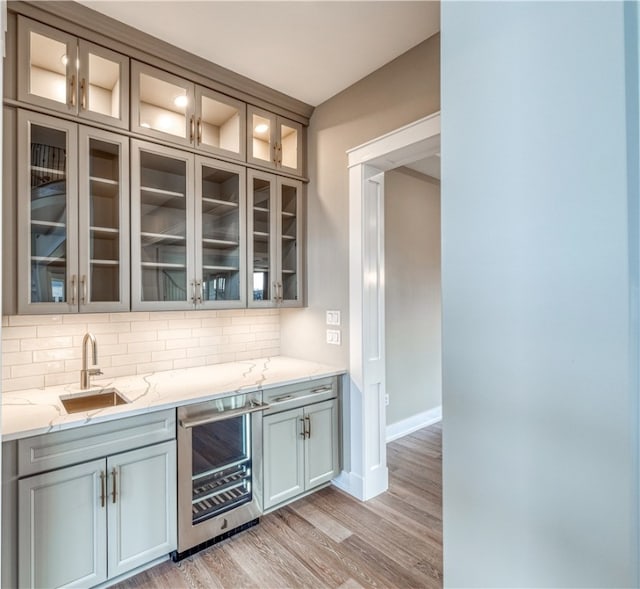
{"type": "Point", "coordinates": [95, 371]}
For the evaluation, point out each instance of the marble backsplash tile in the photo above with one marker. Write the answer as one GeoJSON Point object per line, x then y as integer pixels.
{"type": "Point", "coordinates": [45, 350]}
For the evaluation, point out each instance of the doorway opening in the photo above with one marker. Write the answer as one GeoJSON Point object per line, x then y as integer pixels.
{"type": "Point", "coordinates": [364, 432]}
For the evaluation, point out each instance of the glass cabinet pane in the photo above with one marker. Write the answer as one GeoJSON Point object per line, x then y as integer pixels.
{"type": "Point", "coordinates": [48, 60]}
{"type": "Point", "coordinates": [220, 214]}
{"type": "Point", "coordinates": [261, 211]}
{"type": "Point", "coordinates": [162, 106]}
{"type": "Point", "coordinates": [48, 215]}
{"type": "Point", "coordinates": [219, 124]}
{"type": "Point", "coordinates": [289, 244]}
{"type": "Point", "coordinates": [261, 138]}
{"type": "Point", "coordinates": [288, 147]}
{"type": "Point", "coordinates": [104, 221]}
{"type": "Point", "coordinates": [101, 92]}
{"type": "Point", "coordinates": [163, 227]}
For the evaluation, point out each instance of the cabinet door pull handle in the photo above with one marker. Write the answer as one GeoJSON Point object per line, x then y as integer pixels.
{"type": "Point", "coordinates": [199, 134]}
{"type": "Point", "coordinates": [275, 154]}
{"type": "Point", "coordinates": [103, 489]}
{"type": "Point", "coordinates": [83, 289]}
{"type": "Point", "coordinates": [308, 420]}
{"type": "Point", "coordinates": [83, 94]}
{"type": "Point", "coordinates": [74, 289]}
{"type": "Point", "coordinates": [303, 433]}
{"type": "Point", "coordinates": [192, 128]}
{"type": "Point", "coordinates": [193, 292]}
{"type": "Point", "coordinates": [114, 472]}
{"type": "Point", "coordinates": [198, 292]}
{"type": "Point", "coordinates": [72, 98]}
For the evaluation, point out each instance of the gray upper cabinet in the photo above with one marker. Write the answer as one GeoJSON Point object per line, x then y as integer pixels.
{"type": "Point", "coordinates": [173, 109]}
{"type": "Point", "coordinates": [188, 230]}
{"type": "Point", "coordinates": [70, 75]}
{"type": "Point", "coordinates": [73, 203]}
{"type": "Point", "coordinates": [274, 227]}
{"type": "Point", "coordinates": [273, 141]}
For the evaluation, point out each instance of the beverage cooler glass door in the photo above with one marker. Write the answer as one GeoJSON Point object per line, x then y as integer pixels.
{"type": "Point", "coordinates": [221, 459]}
{"type": "Point", "coordinates": [219, 467]}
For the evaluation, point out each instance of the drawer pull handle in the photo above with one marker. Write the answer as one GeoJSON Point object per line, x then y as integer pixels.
{"type": "Point", "coordinates": [282, 398]}
{"type": "Point", "coordinates": [103, 490]}
{"type": "Point", "coordinates": [114, 472]}
{"type": "Point", "coordinates": [325, 389]}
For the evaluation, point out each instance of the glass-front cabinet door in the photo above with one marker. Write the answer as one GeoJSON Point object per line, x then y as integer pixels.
{"type": "Point", "coordinates": [220, 124]}
{"type": "Point", "coordinates": [47, 214]}
{"type": "Point", "coordinates": [275, 238]}
{"type": "Point", "coordinates": [162, 223]}
{"type": "Point", "coordinates": [162, 105]}
{"type": "Point", "coordinates": [262, 287]}
{"type": "Point", "coordinates": [273, 141]}
{"type": "Point", "coordinates": [103, 85]}
{"type": "Point", "coordinates": [289, 233]}
{"type": "Point", "coordinates": [220, 234]}
{"type": "Point", "coordinates": [73, 203]}
{"type": "Point", "coordinates": [103, 221]}
{"type": "Point", "coordinates": [63, 73]}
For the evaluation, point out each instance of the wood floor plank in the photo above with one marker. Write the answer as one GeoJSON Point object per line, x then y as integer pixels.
{"type": "Point", "coordinates": [329, 539]}
{"type": "Point", "coordinates": [321, 520]}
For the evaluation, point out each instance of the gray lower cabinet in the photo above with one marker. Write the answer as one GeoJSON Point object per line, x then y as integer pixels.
{"type": "Point", "coordinates": [300, 451]}
{"type": "Point", "coordinates": [92, 503]}
{"type": "Point", "coordinates": [84, 524]}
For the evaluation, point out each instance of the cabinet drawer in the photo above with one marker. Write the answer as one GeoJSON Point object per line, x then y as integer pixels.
{"type": "Point", "coordinates": [64, 448]}
{"type": "Point", "coordinates": [298, 395]}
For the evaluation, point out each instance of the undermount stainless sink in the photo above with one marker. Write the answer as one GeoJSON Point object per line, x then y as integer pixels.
{"type": "Point", "coordinates": [90, 400]}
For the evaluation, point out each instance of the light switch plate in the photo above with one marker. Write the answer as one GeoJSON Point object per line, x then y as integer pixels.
{"type": "Point", "coordinates": [333, 317]}
{"type": "Point", "coordinates": [333, 336]}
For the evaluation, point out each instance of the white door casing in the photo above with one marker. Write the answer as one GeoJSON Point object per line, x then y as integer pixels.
{"type": "Point", "coordinates": [364, 440]}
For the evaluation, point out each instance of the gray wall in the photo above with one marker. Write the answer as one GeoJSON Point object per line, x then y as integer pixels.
{"type": "Point", "coordinates": [402, 91]}
{"type": "Point", "coordinates": [412, 293]}
{"type": "Point", "coordinates": [540, 306]}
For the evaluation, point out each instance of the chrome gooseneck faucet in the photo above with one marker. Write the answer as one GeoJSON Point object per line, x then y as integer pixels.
{"type": "Point", "coordinates": [86, 373]}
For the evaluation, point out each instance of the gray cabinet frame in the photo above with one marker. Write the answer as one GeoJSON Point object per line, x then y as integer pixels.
{"type": "Point", "coordinates": [77, 51]}
{"type": "Point", "coordinates": [25, 121]}
{"type": "Point", "coordinates": [275, 121]}
{"type": "Point", "coordinates": [78, 269]}
{"type": "Point", "coordinates": [137, 303]}
{"type": "Point", "coordinates": [275, 239]}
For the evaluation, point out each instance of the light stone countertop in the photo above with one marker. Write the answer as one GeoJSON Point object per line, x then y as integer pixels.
{"type": "Point", "coordinates": [37, 411]}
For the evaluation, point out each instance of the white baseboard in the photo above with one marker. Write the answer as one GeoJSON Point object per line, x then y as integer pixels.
{"type": "Point", "coordinates": [413, 423]}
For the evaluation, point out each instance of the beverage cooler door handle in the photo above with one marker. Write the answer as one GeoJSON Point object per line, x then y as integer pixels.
{"type": "Point", "coordinates": [196, 421]}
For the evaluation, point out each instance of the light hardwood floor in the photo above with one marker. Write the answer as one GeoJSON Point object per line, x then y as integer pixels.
{"type": "Point", "coordinates": [331, 540]}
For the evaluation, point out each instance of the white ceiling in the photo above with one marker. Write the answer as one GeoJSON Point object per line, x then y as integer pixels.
{"type": "Point", "coordinates": [306, 49]}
